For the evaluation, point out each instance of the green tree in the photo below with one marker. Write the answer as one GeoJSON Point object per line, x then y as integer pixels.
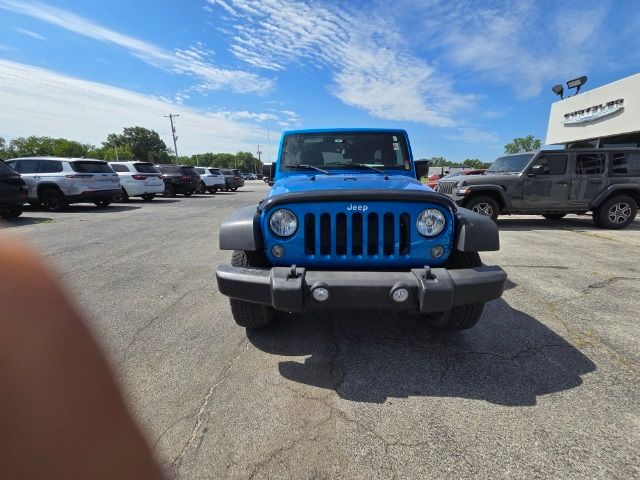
{"type": "Point", "coordinates": [438, 162]}
{"type": "Point", "coordinates": [473, 163]}
{"type": "Point", "coordinates": [61, 147]}
{"type": "Point", "coordinates": [523, 144]}
{"type": "Point", "coordinates": [123, 153]}
{"type": "Point", "coordinates": [47, 146]}
{"type": "Point", "coordinates": [145, 144]}
{"type": "Point", "coordinates": [247, 162]}
{"type": "Point", "coordinates": [5, 151]}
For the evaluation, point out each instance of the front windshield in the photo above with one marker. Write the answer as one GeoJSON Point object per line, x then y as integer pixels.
{"type": "Point", "coordinates": [345, 150]}
{"type": "Point", "coordinates": [510, 163]}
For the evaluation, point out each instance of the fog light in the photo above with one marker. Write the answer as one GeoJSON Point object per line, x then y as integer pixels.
{"type": "Point", "coordinates": [400, 295]}
{"type": "Point", "coordinates": [277, 251]}
{"type": "Point", "coordinates": [320, 294]}
{"type": "Point", "coordinates": [437, 251]}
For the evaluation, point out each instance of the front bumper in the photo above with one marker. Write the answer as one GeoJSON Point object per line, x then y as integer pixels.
{"type": "Point", "coordinates": [431, 290]}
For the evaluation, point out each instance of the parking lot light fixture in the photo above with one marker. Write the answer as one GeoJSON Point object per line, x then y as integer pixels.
{"type": "Point", "coordinates": [577, 83]}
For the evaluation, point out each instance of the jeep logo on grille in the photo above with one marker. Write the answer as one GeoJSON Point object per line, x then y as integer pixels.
{"type": "Point", "coordinates": [357, 208]}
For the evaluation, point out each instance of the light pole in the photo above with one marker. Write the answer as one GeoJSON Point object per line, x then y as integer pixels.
{"type": "Point", "coordinates": [259, 152]}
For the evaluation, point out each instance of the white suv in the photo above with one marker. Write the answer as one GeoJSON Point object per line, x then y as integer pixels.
{"type": "Point", "coordinates": [56, 182]}
{"type": "Point", "coordinates": [138, 179]}
{"type": "Point", "coordinates": [211, 179]}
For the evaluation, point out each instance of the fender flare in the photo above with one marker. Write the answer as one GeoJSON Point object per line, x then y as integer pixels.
{"type": "Point", "coordinates": [475, 232]}
{"type": "Point", "coordinates": [479, 189]}
{"type": "Point", "coordinates": [241, 231]}
{"type": "Point", "coordinates": [611, 189]}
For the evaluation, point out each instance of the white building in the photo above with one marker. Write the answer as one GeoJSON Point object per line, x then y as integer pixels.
{"type": "Point", "coordinates": [607, 116]}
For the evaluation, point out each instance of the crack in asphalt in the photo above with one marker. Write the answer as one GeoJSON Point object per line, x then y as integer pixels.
{"type": "Point", "coordinates": [606, 283]}
{"type": "Point", "coordinates": [578, 337]}
{"type": "Point", "coordinates": [200, 416]}
{"type": "Point", "coordinates": [138, 331]}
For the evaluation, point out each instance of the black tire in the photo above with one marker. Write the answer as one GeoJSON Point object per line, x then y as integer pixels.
{"type": "Point", "coordinates": [212, 190]}
{"type": "Point", "coordinates": [102, 203]}
{"type": "Point", "coordinates": [53, 200]}
{"type": "Point", "coordinates": [202, 189]}
{"type": "Point", "coordinates": [12, 211]}
{"type": "Point", "coordinates": [554, 216]}
{"type": "Point", "coordinates": [187, 193]}
{"type": "Point", "coordinates": [466, 316]}
{"type": "Point", "coordinates": [147, 197]}
{"type": "Point", "coordinates": [169, 191]}
{"type": "Point", "coordinates": [615, 213]}
{"type": "Point", "coordinates": [484, 205]}
{"type": "Point", "coordinates": [233, 189]}
{"type": "Point", "coordinates": [35, 203]}
{"type": "Point", "coordinates": [122, 197]}
{"type": "Point", "coordinates": [247, 314]}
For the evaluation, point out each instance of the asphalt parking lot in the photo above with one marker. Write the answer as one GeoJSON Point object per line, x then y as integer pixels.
{"type": "Point", "coordinates": [547, 385]}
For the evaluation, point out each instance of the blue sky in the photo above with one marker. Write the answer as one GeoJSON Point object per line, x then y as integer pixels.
{"type": "Point", "coordinates": [462, 77]}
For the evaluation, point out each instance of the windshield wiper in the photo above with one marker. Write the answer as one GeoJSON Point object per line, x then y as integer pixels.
{"type": "Point", "coordinates": [309, 167]}
{"type": "Point", "coordinates": [361, 165]}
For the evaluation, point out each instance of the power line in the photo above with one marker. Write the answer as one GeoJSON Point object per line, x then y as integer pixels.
{"type": "Point", "coordinates": [171, 116]}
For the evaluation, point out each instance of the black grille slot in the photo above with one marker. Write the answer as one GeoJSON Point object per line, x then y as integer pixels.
{"type": "Point", "coordinates": [325, 234]}
{"type": "Point", "coordinates": [372, 234]}
{"type": "Point", "coordinates": [446, 187]}
{"type": "Point", "coordinates": [356, 235]}
{"type": "Point", "coordinates": [387, 245]}
{"type": "Point", "coordinates": [341, 234]}
{"type": "Point", "coordinates": [405, 234]}
{"type": "Point", "coordinates": [310, 234]}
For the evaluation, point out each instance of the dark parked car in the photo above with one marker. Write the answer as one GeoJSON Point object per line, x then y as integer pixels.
{"type": "Point", "coordinates": [553, 183]}
{"type": "Point", "coordinates": [179, 179]}
{"type": "Point", "coordinates": [232, 179]}
{"type": "Point", "coordinates": [13, 192]}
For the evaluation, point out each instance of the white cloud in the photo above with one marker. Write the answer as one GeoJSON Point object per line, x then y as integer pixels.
{"type": "Point", "coordinates": [187, 62]}
{"type": "Point", "coordinates": [36, 101]}
{"type": "Point", "coordinates": [475, 135]}
{"type": "Point", "coordinates": [372, 69]}
{"type": "Point", "coordinates": [224, 5]}
{"type": "Point", "coordinates": [31, 34]}
{"type": "Point", "coordinates": [521, 44]}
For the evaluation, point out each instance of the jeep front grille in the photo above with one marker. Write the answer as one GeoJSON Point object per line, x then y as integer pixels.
{"type": "Point", "coordinates": [446, 187]}
{"type": "Point", "coordinates": [328, 234]}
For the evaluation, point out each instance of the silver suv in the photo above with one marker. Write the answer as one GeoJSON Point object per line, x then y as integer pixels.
{"type": "Point", "coordinates": [56, 182]}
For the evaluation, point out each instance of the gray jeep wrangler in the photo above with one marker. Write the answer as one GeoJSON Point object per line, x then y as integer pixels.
{"type": "Point", "coordinates": [553, 183]}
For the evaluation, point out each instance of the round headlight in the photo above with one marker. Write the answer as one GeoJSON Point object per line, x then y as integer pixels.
{"type": "Point", "coordinates": [283, 222]}
{"type": "Point", "coordinates": [430, 222]}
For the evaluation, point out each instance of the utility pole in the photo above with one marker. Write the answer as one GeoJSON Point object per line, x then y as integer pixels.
{"type": "Point", "coordinates": [269, 140]}
{"type": "Point", "coordinates": [171, 116]}
{"type": "Point", "coordinates": [259, 152]}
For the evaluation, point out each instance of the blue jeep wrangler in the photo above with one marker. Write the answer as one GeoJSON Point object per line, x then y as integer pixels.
{"type": "Point", "coordinates": [348, 225]}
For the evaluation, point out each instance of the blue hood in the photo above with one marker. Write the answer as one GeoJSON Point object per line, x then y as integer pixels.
{"type": "Point", "coordinates": [303, 183]}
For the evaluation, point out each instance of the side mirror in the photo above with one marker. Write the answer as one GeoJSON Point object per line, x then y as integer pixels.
{"type": "Point", "coordinates": [537, 169]}
{"type": "Point", "coordinates": [422, 168]}
{"type": "Point", "coordinates": [269, 172]}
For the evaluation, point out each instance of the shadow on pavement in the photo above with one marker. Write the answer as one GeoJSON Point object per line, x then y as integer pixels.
{"type": "Point", "coordinates": [113, 208]}
{"type": "Point", "coordinates": [24, 220]}
{"type": "Point", "coordinates": [509, 358]}
{"type": "Point", "coordinates": [572, 223]}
